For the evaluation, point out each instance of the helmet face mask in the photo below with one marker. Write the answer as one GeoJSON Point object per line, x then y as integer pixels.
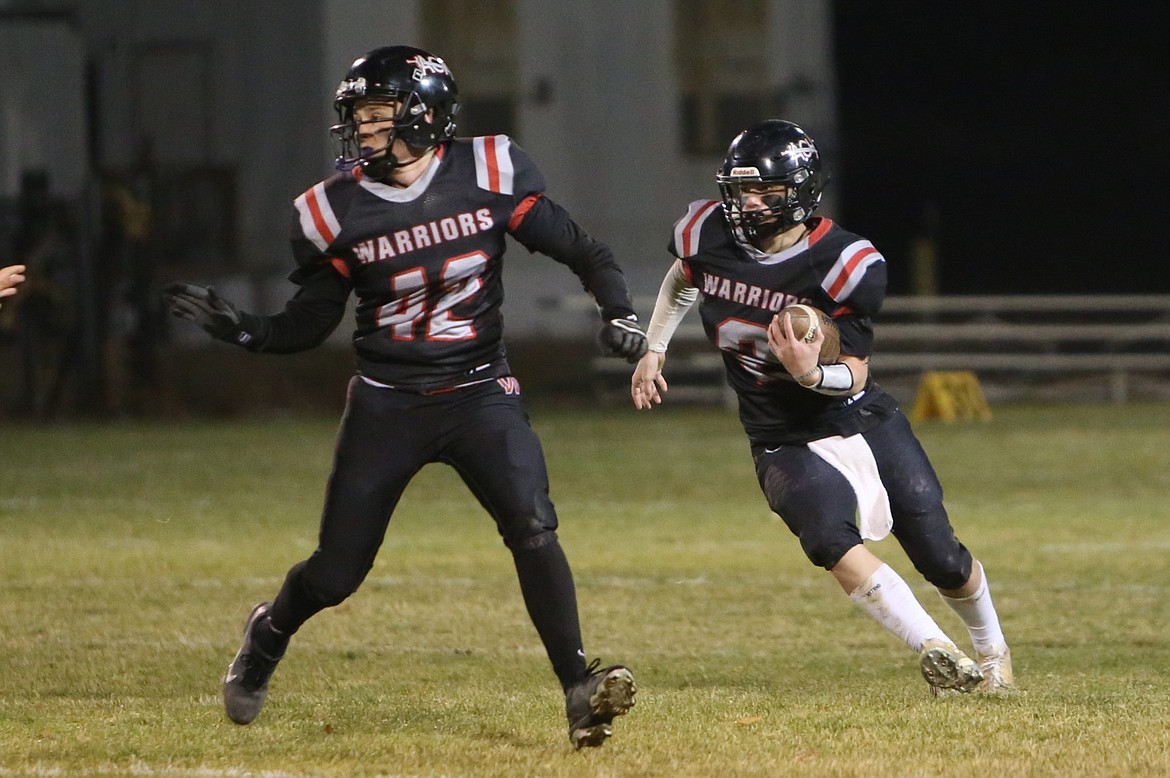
{"type": "Point", "coordinates": [778, 163]}
{"type": "Point", "coordinates": [418, 83]}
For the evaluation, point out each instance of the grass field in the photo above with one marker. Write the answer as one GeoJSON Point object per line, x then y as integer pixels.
{"type": "Point", "coordinates": [130, 555]}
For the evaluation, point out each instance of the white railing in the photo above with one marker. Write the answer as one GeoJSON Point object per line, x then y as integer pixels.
{"type": "Point", "coordinates": [999, 337]}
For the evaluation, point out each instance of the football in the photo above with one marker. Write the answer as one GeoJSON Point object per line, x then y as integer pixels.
{"type": "Point", "coordinates": [806, 320]}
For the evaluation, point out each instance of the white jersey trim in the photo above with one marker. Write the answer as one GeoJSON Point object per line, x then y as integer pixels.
{"type": "Point", "coordinates": [397, 194]}
{"type": "Point", "coordinates": [493, 163]}
{"type": "Point", "coordinates": [687, 229]}
{"type": "Point", "coordinates": [317, 219]}
{"type": "Point", "coordinates": [850, 268]}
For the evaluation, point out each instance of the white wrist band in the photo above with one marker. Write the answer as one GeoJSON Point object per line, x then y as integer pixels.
{"type": "Point", "coordinates": [835, 379]}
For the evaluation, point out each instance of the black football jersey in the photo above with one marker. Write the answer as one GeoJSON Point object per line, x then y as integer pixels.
{"type": "Point", "coordinates": [425, 261]}
{"type": "Point", "coordinates": [742, 288]}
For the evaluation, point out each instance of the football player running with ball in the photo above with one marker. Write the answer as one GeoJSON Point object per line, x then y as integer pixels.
{"type": "Point", "coordinates": [834, 455]}
{"type": "Point", "coordinates": [414, 226]}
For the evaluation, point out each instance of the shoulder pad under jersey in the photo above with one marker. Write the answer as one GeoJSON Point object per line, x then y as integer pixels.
{"type": "Point", "coordinates": [857, 276]}
{"type": "Point", "coordinates": [315, 212]}
{"type": "Point", "coordinates": [503, 167]}
{"type": "Point", "coordinates": [701, 226]}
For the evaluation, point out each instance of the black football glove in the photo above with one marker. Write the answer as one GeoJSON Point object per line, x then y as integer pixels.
{"type": "Point", "coordinates": [214, 314]}
{"type": "Point", "coordinates": [623, 338]}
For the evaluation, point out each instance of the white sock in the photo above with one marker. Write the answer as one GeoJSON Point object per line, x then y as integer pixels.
{"type": "Point", "coordinates": [978, 613]}
{"type": "Point", "coordinates": [886, 597]}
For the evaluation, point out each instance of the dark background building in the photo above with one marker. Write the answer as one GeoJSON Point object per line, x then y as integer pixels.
{"type": "Point", "coordinates": [990, 148]}
{"type": "Point", "coordinates": [1027, 139]}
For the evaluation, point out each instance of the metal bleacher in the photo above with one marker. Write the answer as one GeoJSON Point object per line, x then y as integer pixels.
{"type": "Point", "coordinates": [1028, 339]}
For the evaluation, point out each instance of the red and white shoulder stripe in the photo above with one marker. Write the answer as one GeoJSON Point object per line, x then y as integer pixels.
{"type": "Point", "coordinates": [687, 229]}
{"type": "Point", "coordinates": [850, 268]}
{"type": "Point", "coordinates": [318, 221]}
{"type": "Point", "coordinates": [493, 163]}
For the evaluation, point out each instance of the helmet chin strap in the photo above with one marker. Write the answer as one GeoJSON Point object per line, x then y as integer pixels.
{"type": "Point", "coordinates": [766, 239]}
{"type": "Point", "coordinates": [381, 166]}
{"type": "Point", "coordinates": [377, 163]}
{"type": "Point", "coordinates": [763, 230]}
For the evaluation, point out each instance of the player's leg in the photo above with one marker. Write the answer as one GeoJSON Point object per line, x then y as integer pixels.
{"type": "Point", "coordinates": [819, 507]}
{"type": "Point", "coordinates": [923, 528]}
{"type": "Point", "coordinates": [367, 479]}
{"type": "Point", "coordinates": [974, 606]}
{"type": "Point", "coordinates": [501, 460]}
{"type": "Point", "coordinates": [386, 437]}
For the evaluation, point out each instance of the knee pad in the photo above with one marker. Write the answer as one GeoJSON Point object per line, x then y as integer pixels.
{"type": "Point", "coordinates": [824, 546]}
{"type": "Point", "coordinates": [527, 531]}
{"type": "Point", "coordinates": [930, 542]}
{"type": "Point", "coordinates": [530, 541]}
{"type": "Point", "coordinates": [950, 571]}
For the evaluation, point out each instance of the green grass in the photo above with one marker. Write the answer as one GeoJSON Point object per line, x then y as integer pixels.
{"type": "Point", "coordinates": [130, 555]}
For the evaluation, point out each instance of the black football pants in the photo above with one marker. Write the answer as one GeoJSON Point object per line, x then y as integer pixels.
{"type": "Point", "coordinates": [386, 437]}
{"type": "Point", "coordinates": [820, 508]}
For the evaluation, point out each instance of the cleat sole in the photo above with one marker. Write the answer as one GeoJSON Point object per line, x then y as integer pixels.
{"type": "Point", "coordinates": [615, 694]}
{"type": "Point", "coordinates": [944, 672]}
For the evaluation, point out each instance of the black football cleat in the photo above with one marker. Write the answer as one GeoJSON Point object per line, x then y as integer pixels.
{"type": "Point", "coordinates": [246, 684]}
{"type": "Point", "coordinates": [593, 702]}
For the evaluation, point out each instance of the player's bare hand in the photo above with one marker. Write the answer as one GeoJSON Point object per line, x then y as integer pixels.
{"type": "Point", "coordinates": [10, 278]}
{"type": "Point", "coordinates": [796, 355]}
{"type": "Point", "coordinates": [647, 384]}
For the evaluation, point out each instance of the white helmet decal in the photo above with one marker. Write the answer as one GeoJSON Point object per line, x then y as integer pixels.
{"type": "Point", "coordinates": [802, 150]}
{"type": "Point", "coordinates": [425, 66]}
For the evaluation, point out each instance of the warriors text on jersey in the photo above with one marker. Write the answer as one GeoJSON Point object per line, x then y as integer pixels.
{"type": "Point", "coordinates": [425, 263]}
{"type": "Point", "coordinates": [742, 288]}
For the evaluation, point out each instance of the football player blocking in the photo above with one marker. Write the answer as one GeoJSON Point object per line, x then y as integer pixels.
{"type": "Point", "coordinates": [413, 224]}
{"type": "Point", "coordinates": [833, 453]}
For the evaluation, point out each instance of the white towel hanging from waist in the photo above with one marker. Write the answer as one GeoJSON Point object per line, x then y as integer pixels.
{"type": "Point", "coordinates": [853, 458]}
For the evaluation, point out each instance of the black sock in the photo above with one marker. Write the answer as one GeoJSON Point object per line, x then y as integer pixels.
{"type": "Point", "coordinates": [551, 598]}
{"type": "Point", "coordinates": [292, 605]}
{"type": "Point", "coordinates": [268, 639]}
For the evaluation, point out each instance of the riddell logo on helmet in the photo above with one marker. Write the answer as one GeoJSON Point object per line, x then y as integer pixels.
{"type": "Point", "coordinates": [745, 171]}
{"type": "Point", "coordinates": [425, 66]}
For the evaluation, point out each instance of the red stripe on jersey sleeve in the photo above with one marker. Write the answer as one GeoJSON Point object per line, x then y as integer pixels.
{"type": "Point", "coordinates": [493, 168]}
{"type": "Point", "coordinates": [522, 210]}
{"type": "Point", "coordinates": [690, 276]}
{"type": "Point", "coordinates": [318, 217]}
{"type": "Point", "coordinates": [689, 233]}
{"type": "Point", "coordinates": [848, 270]}
{"type": "Point", "coordinates": [339, 265]}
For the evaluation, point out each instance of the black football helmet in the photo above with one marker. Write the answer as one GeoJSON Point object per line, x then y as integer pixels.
{"type": "Point", "coordinates": [772, 152]}
{"type": "Point", "coordinates": [420, 81]}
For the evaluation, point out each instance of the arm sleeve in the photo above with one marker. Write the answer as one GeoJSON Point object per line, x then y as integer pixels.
{"type": "Point", "coordinates": [541, 225]}
{"type": "Point", "coordinates": [675, 298]}
{"type": "Point", "coordinates": [307, 319]}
